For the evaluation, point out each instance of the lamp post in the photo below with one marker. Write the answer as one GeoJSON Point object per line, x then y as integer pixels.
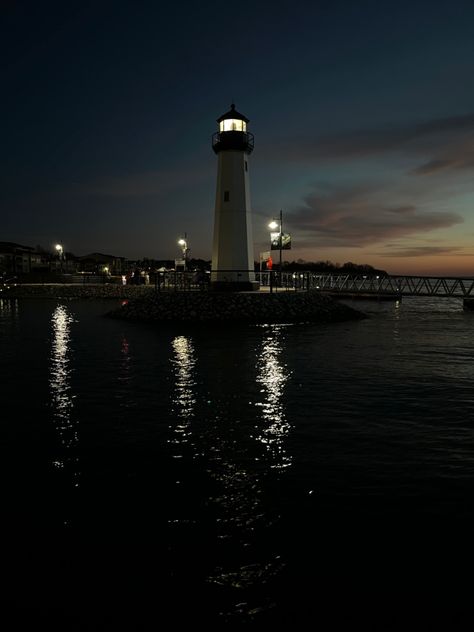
{"type": "Point", "coordinates": [60, 250]}
{"type": "Point", "coordinates": [184, 246]}
{"type": "Point", "coordinates": [278, 224]}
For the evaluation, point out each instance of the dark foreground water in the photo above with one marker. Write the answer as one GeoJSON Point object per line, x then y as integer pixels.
{"type": "Point", "coordinates": [237, 476]}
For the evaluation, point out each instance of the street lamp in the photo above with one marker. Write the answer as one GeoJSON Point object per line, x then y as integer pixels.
{"type": "Point", "coordinates": [60, 250]}
{"type": "Point", "coordinates": [274, 225]}
{"type": "Point", "coordinates": [184, 246]}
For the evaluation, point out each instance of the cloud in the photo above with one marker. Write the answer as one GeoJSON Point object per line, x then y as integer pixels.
{"type": "Point", "coordinates": [359, 216]}
{"type": "Point", "coordinates": [433, 166]}
{"type": "Point", "coordinates": [462, 160]}
{"type": "Point", "coordinates": [423, 251]}
{"type": "Point", "coordinates": [444, 143]}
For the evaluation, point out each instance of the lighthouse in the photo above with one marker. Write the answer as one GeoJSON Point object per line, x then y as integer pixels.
{"type": "Point", "coordinates": [232, 250]}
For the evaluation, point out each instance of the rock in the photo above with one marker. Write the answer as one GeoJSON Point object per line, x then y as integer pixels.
{"type": "Point", "coordinates": [284, 307]}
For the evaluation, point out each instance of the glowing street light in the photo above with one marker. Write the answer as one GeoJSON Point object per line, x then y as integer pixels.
{"type": "Point", "coordinates": [60, 251]}
{"type": "Point", "coordinates": [277, 224]}
{"type": "Point", "coordinates": [184, 247]}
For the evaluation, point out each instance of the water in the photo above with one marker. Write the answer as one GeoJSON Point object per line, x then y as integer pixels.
{"type": "Point", "coordinates": [236, 476]}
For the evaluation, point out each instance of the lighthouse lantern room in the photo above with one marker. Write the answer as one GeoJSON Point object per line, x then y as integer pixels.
{"type": "Point", "coordinates": [232, 251]}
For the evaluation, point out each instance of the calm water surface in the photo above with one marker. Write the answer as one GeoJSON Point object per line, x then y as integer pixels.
{"type": "Point", "coordinates": [235, 475]}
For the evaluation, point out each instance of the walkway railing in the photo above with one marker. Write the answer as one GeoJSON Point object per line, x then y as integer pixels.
{"type": "Point", "coordinates": [271, 281]}
{"type": "Point", "coordinates": [343, 284]}
{"type": "Point", "coordinates": [461, 287]}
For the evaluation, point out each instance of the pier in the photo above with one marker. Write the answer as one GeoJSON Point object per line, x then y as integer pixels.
{"type": "Point", "coordinates": [373, 286]}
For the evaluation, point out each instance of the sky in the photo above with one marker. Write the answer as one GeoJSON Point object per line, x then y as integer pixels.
{"type": "Point", "coordinates": [363, 116]}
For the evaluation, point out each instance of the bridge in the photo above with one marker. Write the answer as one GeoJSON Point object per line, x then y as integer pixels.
{"type": "Point", "coordinates": [372, 286]}
{"type": "Point", "coordinates": [460, 287]}
{"type": "Point", "coordinates": [382, 286]}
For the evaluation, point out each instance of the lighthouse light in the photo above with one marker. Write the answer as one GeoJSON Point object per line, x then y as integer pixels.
{"type": "Point", "coordinates": [232, 125]}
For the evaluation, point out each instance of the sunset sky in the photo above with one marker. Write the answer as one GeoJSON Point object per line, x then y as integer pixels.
{"type": "Point", "coordinates": [363, 115]}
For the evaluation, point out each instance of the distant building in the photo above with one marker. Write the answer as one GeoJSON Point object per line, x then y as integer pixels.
{"type": "Point", "coordinates": [100, 263]}
{"type": "Point", "coordinates": [17, 259]}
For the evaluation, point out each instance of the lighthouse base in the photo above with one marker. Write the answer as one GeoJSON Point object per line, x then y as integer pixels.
{"type": "Point", "coordinates": [234, 286]}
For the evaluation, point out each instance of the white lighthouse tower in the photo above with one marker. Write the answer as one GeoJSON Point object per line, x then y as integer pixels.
{"type": "Point", "coordinates": [232, 251]}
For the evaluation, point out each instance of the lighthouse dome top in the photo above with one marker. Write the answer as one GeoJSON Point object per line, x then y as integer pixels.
{"type": "Point", "coordinates": [232, 121]}
{"type": "Point", "coordinates": [233, 114]}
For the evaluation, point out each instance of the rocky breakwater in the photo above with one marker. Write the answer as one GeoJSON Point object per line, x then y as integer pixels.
{"type": "Point", "coordinates": [252, 307]}
{"type": "Point", "coordinates": [70, 291]}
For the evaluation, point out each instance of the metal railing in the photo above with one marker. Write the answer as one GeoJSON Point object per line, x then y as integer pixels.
{"type": "Point", "coordinates": [92, 279]}
{"type": "Point", "coordinates": [179, 281]}
{"type": "Point", "coordinates": [342, 284]}
{"type": "Point", "coordinates": [233, 139]}
{"type": "Point", "coordinates": [461, 287]}
{"type": "Point", "coordinates": [271, 281]}
{"type": "Point", "coordinates": [199, 280]}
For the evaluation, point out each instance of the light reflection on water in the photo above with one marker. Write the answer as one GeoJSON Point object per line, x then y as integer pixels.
{"type": "Point", "coordinates": [9, 325]}
{"type": "Point", "coordinates": [235, 499]}
{"type": "Point", "coordinates": [184, 398]}
{"type": "Point", "coordinates": [207, 428]}
{"type": "Point", "coordinates": [396, 321]}
{"type": "Point", "coordinates": [62, 399]}
{"type": "Point", "coordinates": [272, 375]}
{"type": "Point", "coordinates": [241, 518]}
{"type": "Point", "coordinates": [242, 460]}
{"type": "Point", "coordinates": [124, 377]}
{"type": "Point", "coordinates": [9, 312]}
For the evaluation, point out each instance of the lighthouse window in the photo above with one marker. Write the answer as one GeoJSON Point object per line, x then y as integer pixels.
{"type": "Point", "coordinates": [246, 166]}
{"type": "Point", "coordinates": [226, 196]}
{"type": "Point", "coordinates": [233, 125]}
